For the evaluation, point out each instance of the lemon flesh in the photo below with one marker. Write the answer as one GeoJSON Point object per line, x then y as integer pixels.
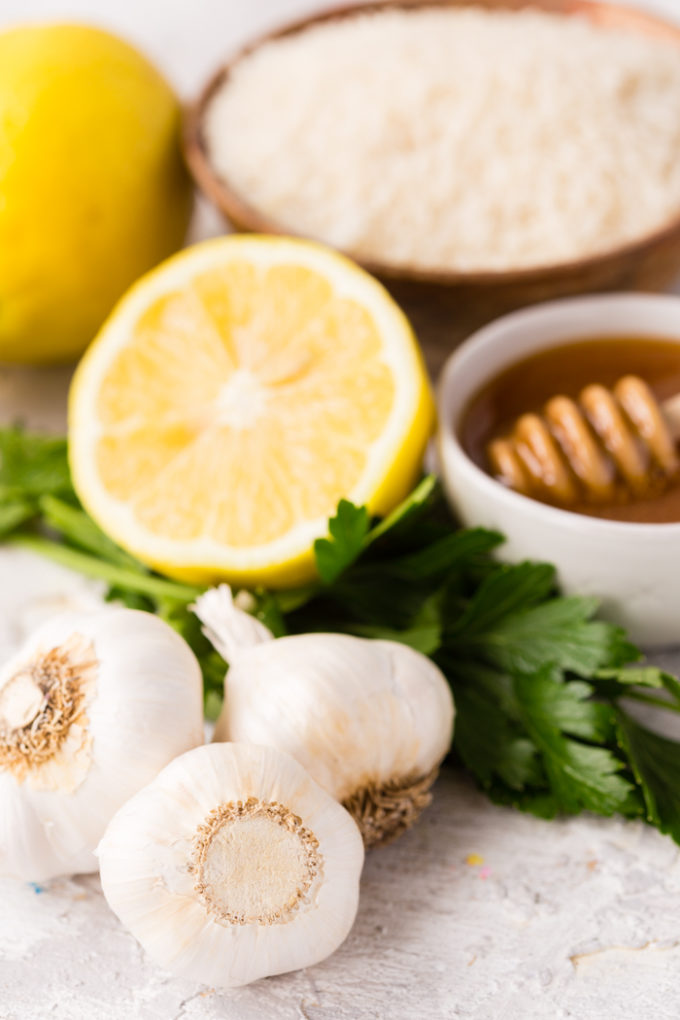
{"type": "Point", "coordinates": [93, 192]}
{"type": "Point", "coordinates": [235, 395]}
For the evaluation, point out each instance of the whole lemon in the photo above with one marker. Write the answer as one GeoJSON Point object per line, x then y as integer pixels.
{"type": "Point", "coordinates": [93, 190]}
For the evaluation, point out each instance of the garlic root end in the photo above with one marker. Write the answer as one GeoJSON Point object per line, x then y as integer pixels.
{"type": "Point", "coordinates": [384, 812]}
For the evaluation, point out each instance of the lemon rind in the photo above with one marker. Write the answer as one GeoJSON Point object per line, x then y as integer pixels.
{"type": "Point", "coordinates": [393, 461]}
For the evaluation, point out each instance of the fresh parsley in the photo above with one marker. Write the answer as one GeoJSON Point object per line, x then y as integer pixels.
{"type": "Point", "coordinates": [348, 531]}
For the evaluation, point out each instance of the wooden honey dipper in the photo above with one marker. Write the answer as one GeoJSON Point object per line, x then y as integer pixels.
{"type": "Point", "coordinates": [605, 446]}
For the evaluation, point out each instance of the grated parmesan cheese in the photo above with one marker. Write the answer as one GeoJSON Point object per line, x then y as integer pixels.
{"type": "Point", "coordinates": [456, 138]}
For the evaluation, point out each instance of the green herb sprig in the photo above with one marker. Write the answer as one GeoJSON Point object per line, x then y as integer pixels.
{"type": "Point", "coordinates": [543, 688]}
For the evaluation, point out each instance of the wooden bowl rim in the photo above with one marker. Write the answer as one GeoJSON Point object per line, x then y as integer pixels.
{"type": "Point", "coordinates": [245, 216]}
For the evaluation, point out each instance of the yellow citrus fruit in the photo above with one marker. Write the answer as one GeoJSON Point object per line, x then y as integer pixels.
{"type": "Point", "coordinates": [234, 396]}
{"type": "Point", "coordinates": [93, 191]}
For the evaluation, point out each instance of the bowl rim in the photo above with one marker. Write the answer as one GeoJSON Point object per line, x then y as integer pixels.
{"type": "Point", "coordinates": [245, 216]}
{"type": "Point", "coordinates": [488, 338]}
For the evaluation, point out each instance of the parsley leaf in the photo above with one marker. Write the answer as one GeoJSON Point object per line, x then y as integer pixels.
{"type": "Point", "coordinates": [489, 737]}
{"type": "Point", "coordinates": [581, 775]}
{"type": "Point", "coordinates": [507, 590]}
{"type": "Point", "coordinates": [547, 700]}
{"type": "Point", "coordinates": [655, 762]}
{"type": "Point", "coordinates": [520, 730]}
{"type": "Point", "coordinates": [424, 633]}
{"type": "Point", "coordinates": [513, 624]}
{"type": "Point", "coordinates": [445, 554]}
{"type": "Point", "coordinates": [618, 682]}
{"type": "Point", "coordinates": [32, 465]}
{"type": "Point", "coordinates": [348, 531]}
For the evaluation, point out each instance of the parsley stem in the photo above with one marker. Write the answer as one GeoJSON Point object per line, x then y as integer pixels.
{"type": "Point", "coordinates": [420, 494]}
{"type": "Point", "coordinates": [650, 699]}
{"type": "Point", "coordinates": [120, 577]}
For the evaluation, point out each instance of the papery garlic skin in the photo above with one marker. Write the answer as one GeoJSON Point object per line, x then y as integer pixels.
{"type": "Point", "coordinates": [232, 865]}
{"type": "Point", "coordinates": [91, 708]}
{"type": "Point", "coordinates": [370, 720]}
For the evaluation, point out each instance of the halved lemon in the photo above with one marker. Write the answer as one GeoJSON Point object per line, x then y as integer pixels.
{"type": "Point", "coordinates": [236, 393]}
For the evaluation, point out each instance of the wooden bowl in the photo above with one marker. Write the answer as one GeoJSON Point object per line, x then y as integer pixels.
{"type": "Point", "coordinates": [445, 304]}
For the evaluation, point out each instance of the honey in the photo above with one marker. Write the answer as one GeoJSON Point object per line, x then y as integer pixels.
{"type": "Point", "coordinates": [565, 370]}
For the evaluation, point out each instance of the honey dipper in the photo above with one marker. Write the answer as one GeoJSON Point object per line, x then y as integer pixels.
{"type": "Point", "coordinates": [605, 446]}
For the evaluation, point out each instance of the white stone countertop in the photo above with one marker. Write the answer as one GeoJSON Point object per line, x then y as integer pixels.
{"type": "Point", "coordinates": [478, 913]}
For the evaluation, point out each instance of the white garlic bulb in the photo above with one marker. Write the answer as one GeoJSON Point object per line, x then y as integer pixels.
{"type": "Point", "coordinates": [91, 708]}
{"type": "Point", "coordinates": [370, 720]}
{"type": "Point", "coordinates": [233, 864]}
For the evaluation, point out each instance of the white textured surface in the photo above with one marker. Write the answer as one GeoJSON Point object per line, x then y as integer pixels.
{"type": "Point", "coordinates": [577, 919]}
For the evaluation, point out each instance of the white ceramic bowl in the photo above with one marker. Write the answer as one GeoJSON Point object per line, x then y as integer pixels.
{"type": "Point", "coordinates": [634, 569]}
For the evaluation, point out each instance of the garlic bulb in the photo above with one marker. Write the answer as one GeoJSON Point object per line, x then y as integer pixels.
{"type": "Point", "coordinates": [91, 709]}
{"type": "Point", "coordinates": [370, 720]}
{"type": "Point", "coordinates": [233, 864]}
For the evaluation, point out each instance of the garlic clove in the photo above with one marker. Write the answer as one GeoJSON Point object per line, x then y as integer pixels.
{"type": "Point", "coordinates": [233, 864]}
{"type": "Point", "coordinates": [371, 721]}
{"type": "Point", "coordinates": [120, 696]}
